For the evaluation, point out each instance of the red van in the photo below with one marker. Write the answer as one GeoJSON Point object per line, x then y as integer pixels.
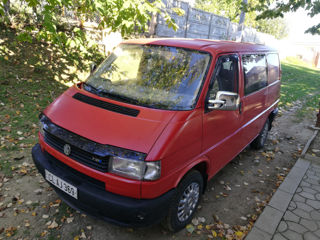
{"type": "Point", "coordinates": [137, 141]}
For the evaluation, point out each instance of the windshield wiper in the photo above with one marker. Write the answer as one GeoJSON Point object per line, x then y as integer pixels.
{"type": "Point", "coordinates": [119, 97]}
{"type": "Point", "coordinates": [104, 93]}
{"type": "Point", "coordinates": [91, 88]}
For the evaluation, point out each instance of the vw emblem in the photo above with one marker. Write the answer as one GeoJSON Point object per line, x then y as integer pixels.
{"type": "Point", "coordinates": [67, 149]}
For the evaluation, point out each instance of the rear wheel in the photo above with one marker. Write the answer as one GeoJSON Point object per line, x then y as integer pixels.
{"type": "Point", "coordinates": [260, 140]}
{"type": "Point", "coordinates": [185, 202]}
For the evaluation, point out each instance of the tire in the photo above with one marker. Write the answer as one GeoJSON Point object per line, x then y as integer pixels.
{"type": "Point", "coordinates": [181, 211]}
{"type": "Point", "coordinates": [260, 140]}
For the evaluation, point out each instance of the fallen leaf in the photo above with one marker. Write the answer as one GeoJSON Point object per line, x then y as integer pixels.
{"type": "Point", "coordinates": [190, 228]}
{"type": "Point", "coordinates": [69, 220]}
{"type": "Point", "coordinates": [54, 224]}
{"type": "Point", "coordinates": [83, 235]}
{"type": "Point", "coordinates": [10, 231]}
{"type": "Point", "coordinates": [38, 191]}
{"type": "Point", "coordinates": [226, 226]}
{"type": "Point", "coordinates": [89, 227]}
{"type": "Point", "coordinates": [23, 171]}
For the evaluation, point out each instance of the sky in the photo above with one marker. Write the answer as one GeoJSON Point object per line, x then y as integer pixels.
{"type": "Point", "coordinates": [298, 22]}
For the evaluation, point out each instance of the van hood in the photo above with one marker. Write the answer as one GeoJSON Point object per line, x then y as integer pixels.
{"type": "Point", "coordinates": [104, 126]}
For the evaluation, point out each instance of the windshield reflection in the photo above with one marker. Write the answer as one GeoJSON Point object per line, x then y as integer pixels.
{"type": "Point", "coordinates": [153, 76]}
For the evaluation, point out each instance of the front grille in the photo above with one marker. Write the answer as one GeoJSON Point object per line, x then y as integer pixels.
{"type": "Point", "coordinates": [86, 158]}
{"type": "Point", "coordinates": [73, 174]}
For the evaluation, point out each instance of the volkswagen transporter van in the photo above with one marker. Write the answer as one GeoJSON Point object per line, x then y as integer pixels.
{"type": "Point", "coordinates": [137, 141]}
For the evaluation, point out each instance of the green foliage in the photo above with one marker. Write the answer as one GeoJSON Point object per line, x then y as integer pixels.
{"type": "Point", "coordinates": [276, 27]}
{"type": "Point", "coordinates": [232, 10]}
{"type": "Point", "coordinates": [226, 8]}
{"type": "Point", "coordinates": [277, 8]}
{"type": "Point", "coordinates": [48, 21]}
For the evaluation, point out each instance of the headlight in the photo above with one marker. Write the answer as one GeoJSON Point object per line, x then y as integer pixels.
{"type": "Point", "coordinates": [135, 169]}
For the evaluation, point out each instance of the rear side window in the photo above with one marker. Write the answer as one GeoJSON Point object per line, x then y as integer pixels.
{"type": "Point", "coordinates": [273, 67]}
{"type": "Point", "coordinates": [255, 72]}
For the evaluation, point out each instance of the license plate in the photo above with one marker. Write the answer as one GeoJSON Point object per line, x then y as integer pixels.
{"type": "Point", "coordinates": [61, 184]}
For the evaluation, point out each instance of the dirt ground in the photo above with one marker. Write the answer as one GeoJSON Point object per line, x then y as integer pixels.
{"type": "Point", "coordinates": [30, 209]}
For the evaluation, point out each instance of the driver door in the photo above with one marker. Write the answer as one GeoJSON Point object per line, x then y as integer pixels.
{"type": "Point", "coordinates": [221, 133]}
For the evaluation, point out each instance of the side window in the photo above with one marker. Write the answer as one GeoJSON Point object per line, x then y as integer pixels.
{"type": "Point", "coordinates": [255, 72]}
{"type": "Point", "coordinates": [273, 67]}
{"type": "Point", "coordinates": [226, 75]}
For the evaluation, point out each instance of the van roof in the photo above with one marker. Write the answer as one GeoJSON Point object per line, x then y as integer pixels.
{"type": "Point", "coordinates": [201, 44]}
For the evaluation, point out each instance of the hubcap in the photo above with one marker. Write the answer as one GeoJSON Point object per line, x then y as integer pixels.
{"type": "Point", "coordinates": [188, 201]}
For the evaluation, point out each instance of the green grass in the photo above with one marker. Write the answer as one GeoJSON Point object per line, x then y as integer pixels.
{"type": "Point", "coordinates": [300, 82]}
{"type": "Point", "coordinates": [5, 167]}
{"type": "Point", "coordinates": [32, 75]}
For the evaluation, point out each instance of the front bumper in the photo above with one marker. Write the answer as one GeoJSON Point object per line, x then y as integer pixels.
{"type": "Point", "coordinates": [94, 200]}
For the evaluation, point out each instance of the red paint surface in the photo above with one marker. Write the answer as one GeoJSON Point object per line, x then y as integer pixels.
{"type": "Point", "coordinates": [180, 139]}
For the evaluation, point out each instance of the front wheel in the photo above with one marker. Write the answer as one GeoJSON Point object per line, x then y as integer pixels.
{"type": "Point", "coordinates": [260, 140]}
{"type": "Point", "coordinates": [185, 202]}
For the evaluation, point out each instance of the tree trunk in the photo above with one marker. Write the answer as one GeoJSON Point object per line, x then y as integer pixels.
{"type": "Point", "coordinates": [241, 23]}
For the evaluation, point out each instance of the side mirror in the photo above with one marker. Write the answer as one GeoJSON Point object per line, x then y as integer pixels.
{"type": "Point", "coordinates": [228, 101]}
{"type": "Point", "coordinates": [93, 67]}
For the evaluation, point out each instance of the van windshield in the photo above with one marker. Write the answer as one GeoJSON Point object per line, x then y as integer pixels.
{"type": "Point", "coordinates": [153, 76]}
